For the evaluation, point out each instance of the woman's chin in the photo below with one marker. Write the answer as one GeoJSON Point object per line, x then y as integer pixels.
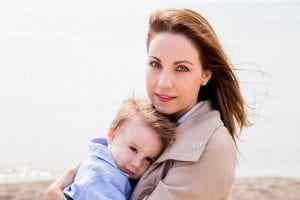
{"type": "Point", "coordinates": [166, 110]}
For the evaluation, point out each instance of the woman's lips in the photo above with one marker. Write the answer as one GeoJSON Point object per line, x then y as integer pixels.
{"type": "Point", "coordinates": [164, 98]}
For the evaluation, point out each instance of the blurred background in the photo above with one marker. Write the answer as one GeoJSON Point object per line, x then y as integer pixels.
{"type": "Point", "coordinates": [66, 66]}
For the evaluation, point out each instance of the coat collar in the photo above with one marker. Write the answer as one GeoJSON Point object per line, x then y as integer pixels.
{"type": "Point", "coordinates": [193, 134]}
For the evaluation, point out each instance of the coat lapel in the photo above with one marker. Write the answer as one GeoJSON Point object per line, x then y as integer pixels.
{"type": "Point", "coordinates": [190, 140]}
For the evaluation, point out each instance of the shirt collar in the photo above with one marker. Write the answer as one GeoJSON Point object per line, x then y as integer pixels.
{"type": "Point", "coordinates": [99, 150]}
{"type": "Point", "coordinates": [189, 113]}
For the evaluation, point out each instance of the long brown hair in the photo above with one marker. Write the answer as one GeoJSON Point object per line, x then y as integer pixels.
{"type": "Point", "coordinates": [223, 88]}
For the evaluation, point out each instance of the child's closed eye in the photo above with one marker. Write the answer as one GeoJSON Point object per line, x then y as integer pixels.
{"type": "Point", "coordinates": [133, 149]}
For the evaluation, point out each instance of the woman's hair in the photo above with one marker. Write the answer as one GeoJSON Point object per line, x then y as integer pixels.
{"type": "Point", "coordinates": [223, 88]}
{"type": "Point", "coordinates": [160, 123]}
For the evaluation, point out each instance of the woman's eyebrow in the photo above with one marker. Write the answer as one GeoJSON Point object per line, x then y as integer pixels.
{"type": "Point", "coordinates": [183, 61]}
{"type": "Point", "coordinates": [176, 63]}
{"type": "Point", "coordinates": [156, 58]}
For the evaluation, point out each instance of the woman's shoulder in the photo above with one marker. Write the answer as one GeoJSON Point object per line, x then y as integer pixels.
{"type": "Point", "coordinates": [218, 139]}
{"type": "Point", "coordinates": [219, 152]}
{"type": "Point", "coordinates": [222, 142]}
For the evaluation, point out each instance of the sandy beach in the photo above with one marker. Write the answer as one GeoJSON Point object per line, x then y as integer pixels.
{"type": "Point", "coordinates": [245, 189]}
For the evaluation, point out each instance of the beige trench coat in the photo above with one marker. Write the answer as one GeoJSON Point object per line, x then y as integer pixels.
{"type": "Point", "coordinates": [199, 165]}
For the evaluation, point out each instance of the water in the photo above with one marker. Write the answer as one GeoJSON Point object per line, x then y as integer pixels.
{"type": "Point", "coordinates": [65, 67]}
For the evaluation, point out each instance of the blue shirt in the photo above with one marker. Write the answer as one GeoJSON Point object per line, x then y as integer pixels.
{"type": "Point", "coordinates": [189, 113]}
{"type": "Point", "coordinates": [98, 177]}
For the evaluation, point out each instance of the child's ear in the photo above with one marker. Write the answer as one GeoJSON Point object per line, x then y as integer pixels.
{"type": "Point", "coordinates": [110, 135]}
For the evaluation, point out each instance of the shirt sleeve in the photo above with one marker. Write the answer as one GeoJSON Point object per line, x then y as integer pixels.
{"type": "Point", "coordinates": [103, 187]}
{"type": "Point", "coordinates": [107, 190]}
{"type": "Point", "coordinates": [210, 178]}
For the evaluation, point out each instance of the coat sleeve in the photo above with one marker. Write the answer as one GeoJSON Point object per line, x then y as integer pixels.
{"type": "Point", "coordinates": [210, 178]}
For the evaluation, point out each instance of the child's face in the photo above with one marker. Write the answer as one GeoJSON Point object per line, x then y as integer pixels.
{"type": "Point", "coordinates": [134, 146]}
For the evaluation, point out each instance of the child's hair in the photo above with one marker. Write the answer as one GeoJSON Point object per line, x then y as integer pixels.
{"type": "Point", "coordinates": [160, 123]}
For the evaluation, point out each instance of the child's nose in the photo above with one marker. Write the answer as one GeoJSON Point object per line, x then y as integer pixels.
{"type": "Point", "coordinates": [137, 163]}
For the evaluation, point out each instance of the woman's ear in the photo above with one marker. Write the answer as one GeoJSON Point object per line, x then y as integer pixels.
{"type": "Point", "coordinates": [110, 135]}
{"type": "Point", "coordinates": [206, 76]}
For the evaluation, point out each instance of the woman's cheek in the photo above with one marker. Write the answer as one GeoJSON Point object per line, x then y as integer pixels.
{"type": "Point", "coordinates": [150, 82]}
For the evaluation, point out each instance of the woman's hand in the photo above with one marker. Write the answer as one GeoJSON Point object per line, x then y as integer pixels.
{"type": "Point", "coordinates": [55, 190]}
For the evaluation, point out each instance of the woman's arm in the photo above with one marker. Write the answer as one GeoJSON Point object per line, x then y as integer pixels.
{"type": "Point", "coordinates": [211, 178]}
{"type": "Point", "coordinates": [55, 190]}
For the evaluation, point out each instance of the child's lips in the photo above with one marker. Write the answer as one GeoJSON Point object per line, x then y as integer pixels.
{"type": "Point", "coordinates": [127, 171]}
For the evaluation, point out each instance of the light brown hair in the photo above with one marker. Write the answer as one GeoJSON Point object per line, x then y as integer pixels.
{"type": "Point", "coordinates": [160, 123]}
{"type": "Point", "coordinates": [223, 88]}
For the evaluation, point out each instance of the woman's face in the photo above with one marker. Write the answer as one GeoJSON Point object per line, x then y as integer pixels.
{"type": "Point", "coordinates": [174, 73]}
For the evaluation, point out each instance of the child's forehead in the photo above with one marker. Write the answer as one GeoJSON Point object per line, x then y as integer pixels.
{"type": "Point", "coordinates": [134, 121]}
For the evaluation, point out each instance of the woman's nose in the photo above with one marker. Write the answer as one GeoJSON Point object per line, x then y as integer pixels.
{"type": "Point", "coordinates": [165, 80]}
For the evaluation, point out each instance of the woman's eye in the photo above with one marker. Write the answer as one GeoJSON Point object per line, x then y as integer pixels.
{"type": "Point", "coordinates": [155, 64]}
{"type": "Point", "coordinates": [182, 68]}
{"type": "Point", "coordinates": [133, 149]}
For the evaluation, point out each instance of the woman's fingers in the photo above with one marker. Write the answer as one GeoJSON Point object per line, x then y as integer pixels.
{"type": "Point", "coordinates": [55, 190]}
{"type": "Point", "coordinates": [67, 178]}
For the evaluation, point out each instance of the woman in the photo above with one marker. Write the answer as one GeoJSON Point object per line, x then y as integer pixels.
{"type": "Point", "coordinates": [190, 79]}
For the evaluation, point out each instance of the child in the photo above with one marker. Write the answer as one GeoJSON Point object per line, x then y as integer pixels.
{"type": "Point", "coordinates": [137, 136]}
